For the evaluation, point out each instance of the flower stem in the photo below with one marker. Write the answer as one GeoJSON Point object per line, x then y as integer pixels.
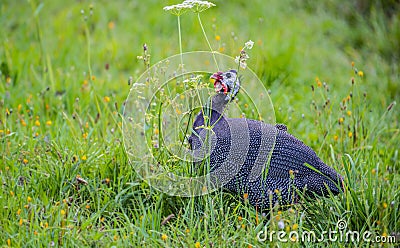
{"type": "Point", "coordinates": [88, 51]}
{"type": "Point", "coordinates": [180, 41]}
{"type": "Point", "coordinates": [205, 36]}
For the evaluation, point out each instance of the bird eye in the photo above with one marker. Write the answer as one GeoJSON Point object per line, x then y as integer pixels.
{"type": "Point", "coordinates": [228, 75]}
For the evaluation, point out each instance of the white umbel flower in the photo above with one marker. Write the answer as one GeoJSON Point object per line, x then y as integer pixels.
{"type": "Point", "coordinates": [194, 5]}
{"type": "Point", "coordinates": [178, 9]}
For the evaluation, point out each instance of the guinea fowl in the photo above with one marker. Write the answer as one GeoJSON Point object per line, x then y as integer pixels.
{"type": "Point", "coordinates": [259, 161]}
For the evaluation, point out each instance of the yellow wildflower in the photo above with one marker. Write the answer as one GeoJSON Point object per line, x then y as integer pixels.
{"type": "Point", "coordinates": [37, 123]}
{"type": "Point", "coordinates": [319, 84]}
{"type": "Point", "coordinates": [361, 73]}
{"type": "Point", "coordinates": [197, 244]}
{"type": "Point", "coordinates": [107, 99]}
{"type": "Point", "coordinates": [217, 37]}
{"type": "Point", "coordinates": [164, 237]}
{"type": "Point", "coordinates": [48, 123]}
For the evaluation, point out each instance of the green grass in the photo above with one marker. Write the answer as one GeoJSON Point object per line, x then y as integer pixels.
{"type": "Point", "coordinates": [65, 176]}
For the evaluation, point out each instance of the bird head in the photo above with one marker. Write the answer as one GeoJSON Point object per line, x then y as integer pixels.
{"type": "Point", "coordinates": [227, 83]}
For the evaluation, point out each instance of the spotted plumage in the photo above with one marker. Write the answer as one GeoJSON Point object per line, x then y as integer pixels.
{"type": "Point", "coordinates": [244, 149]}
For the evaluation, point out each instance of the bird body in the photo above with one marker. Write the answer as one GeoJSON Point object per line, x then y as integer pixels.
{"type": "Point", "coordinates": [257, 160]}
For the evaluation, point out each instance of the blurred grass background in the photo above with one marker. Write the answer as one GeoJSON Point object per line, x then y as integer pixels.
{"type": "Point", "coordinates": [64, 78]}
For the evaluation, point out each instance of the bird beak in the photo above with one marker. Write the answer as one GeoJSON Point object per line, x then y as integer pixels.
{"type": "Point", "coordinates": [216, 77]}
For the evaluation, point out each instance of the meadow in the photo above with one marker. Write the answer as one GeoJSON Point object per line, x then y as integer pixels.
{"type": "Point", "coordinates": [332, 73]}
